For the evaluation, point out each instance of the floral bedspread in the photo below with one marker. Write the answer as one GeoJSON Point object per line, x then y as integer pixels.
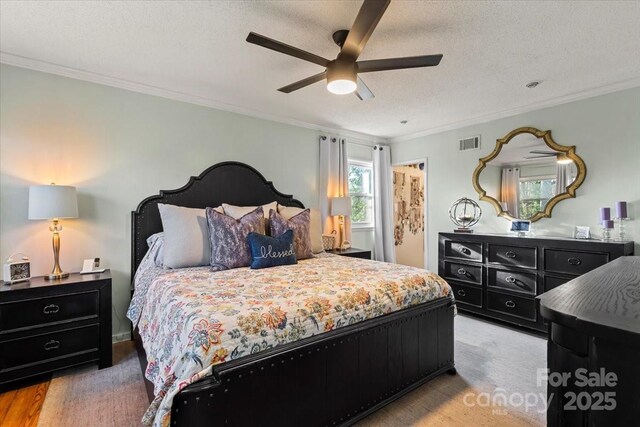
{"type": "Point", "coordinates": [191, 319]}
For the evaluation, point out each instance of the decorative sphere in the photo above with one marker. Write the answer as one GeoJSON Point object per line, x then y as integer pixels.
{"type": "Point", "coordinates": [465, 212]}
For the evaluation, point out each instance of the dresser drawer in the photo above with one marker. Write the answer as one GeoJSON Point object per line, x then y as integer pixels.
{"type": "Point", "coordinates": [463, 250]}
{"type": "Point", "coordinates": [463, 272]}
{"type": "Point", "coordinates": [573, 262]}
{"type": "Point", "coordinates": [513, 256]}
{"type": "Point", "coordinates": [51, 345]}
{"type": "Point", "coordinates": [524, 308]}
{"type": "Point", "coordinates": [551, 282]}
{"type": "Point", "coordinates": [513, 281]}
{"type": "Point", "coordinates": [471, 295]}
{"type": "Point", "coordinates": [41, 311]}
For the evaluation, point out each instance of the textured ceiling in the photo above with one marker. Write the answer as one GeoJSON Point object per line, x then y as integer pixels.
{"type": "Point", "coordinates": [491, 49]}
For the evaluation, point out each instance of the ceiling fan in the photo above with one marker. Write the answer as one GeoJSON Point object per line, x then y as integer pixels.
{"type": "Point", "coordinates": [541, 154]}
{"type": "Point", "coordinates": [342, 73]}
{"type": "Point", "coordinates": [561, 158]}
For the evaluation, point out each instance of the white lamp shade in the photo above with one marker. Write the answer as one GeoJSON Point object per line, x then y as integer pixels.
{"type": "Point", "coordinates": [52, 201]}
{"type": "Point", "coordinates": [341, 206]}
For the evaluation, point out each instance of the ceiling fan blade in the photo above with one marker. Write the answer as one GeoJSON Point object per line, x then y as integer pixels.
{"type": "Point", "coordinates": [399, 63]}
{"type": "Point", "coordinates": [538, 157]}
{"type": "Point", "coordinates": [304, 82]}
{"type": "Point", "coordinates": [550, 153]}
{"type": "Point", "coordinates": [362, 28]}
{"type": "Point", "coordinates": [286, 49]}
{"type": "Point", "coordinates": [363, 92]}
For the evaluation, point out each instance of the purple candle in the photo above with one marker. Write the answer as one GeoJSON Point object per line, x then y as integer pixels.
{"type": "Point", "coordinates": [621, 209]}
{"type": "Point", "coordinates": [607, 223]}
{"type": "Point", "coordinates": [605, 214]}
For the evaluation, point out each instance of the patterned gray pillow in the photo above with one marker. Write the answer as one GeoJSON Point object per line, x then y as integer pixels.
{"type": "Point", "coordinates": [229, 246]}
{"type": "Point", "coordinates": [301, 226]}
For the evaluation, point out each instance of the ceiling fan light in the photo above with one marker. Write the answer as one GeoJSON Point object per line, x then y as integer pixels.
{"type": "Point", "coordinates": [341, 77]}
{"type": "Point", "coordinates": [341, 86]}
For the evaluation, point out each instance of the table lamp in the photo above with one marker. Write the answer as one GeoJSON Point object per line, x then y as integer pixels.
{"type": "Point", "coordinates": [53, 202]}
{"type": "Point", "coordinates": [341, 207]}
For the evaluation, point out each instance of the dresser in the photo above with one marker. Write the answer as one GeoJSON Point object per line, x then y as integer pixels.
{"type": "Point", "coordinates": [499, 276]}
{"type": "Point", "coordinates": [595, 333]}
{"type": "Point", "coordinates": [49, 325]}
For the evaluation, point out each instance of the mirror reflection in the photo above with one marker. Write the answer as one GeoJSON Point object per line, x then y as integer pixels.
{"type": "Point", "coordinates": [526, 174]}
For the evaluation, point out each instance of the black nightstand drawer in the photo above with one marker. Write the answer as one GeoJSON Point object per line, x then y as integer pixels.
{"type": "Point", "coordinates": [512, 305]}
{"type": "Point", "coordinates": [471, 295]}
{"type": "Point", "coordinates": [575, 263]}
{"type": "Point", "coordinates": [42, 311]}
{"type": "Point", "coordinates": [512, 256]}
{"type": "Point", "coordinates": [353, 253]}
{"type": "Point", "coordinates": [40, 348]}
{"type": "Point", "coordinates": [513, 280]}
{"type": "Point", "coordinates": [463, 250]}
{"type": "Point", "coordinates": [463, 272]}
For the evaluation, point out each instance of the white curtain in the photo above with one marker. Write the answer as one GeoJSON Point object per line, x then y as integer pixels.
{"type": "Point", "coordinates": [334, 182]}
{"type": "Point", "coordinates": [510, 190]}
{"type": "Point", "coordinates": [563, 177]}
{"type": "Point", "coordinates": [383, 201]}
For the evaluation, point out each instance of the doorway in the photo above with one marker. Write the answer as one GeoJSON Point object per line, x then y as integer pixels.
{"type": "Point", "coordinates": [410, 212]}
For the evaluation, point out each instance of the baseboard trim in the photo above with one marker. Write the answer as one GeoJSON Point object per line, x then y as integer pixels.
{"type": "Point", "coordinates": [125, 336]}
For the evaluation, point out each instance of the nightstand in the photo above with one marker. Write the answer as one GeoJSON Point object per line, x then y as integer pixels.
{"type": "Point", "coordinates": [50, 325]}
{"type": "Point", "coordinates": [353, 253]}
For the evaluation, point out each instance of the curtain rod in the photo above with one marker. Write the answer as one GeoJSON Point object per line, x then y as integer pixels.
{"type": "Point", "coordinates": [351, 142]}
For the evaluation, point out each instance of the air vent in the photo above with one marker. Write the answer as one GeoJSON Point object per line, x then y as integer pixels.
{"type": "Point", "coordinates": [471, 143]}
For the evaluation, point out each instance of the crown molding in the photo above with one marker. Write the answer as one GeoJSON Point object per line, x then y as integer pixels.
{"type": "Point", "coordinates": [576, 96]}
{"type": "Point", "coordinates": [47, 67]}
{"type": "Point", "coordinates": [88, 76]}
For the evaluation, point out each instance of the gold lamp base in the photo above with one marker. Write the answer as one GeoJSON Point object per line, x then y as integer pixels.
{"type": "Point", "coordinates": [56, 276]}
{"type": "Point", "coordinates": [56, 273]}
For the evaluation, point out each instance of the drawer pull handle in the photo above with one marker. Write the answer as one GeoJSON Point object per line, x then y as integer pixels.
{"type": "Point", "coordinates": [510, 254]}
{"type": "Point", "coordinates": [465, 251]}
{"type": "Point", "coordinates": [574, 261]}
{"type": "Point", "coordinates": [462, 271]}
{"type": "Point", "coordinates": [462, 293]}
{"type": "Point", "coordinates": [510, 304]}
{"type": "Point", "coordinates": [510, 279]}
{"type": "Point", "coordinates": [51, 309]}
{"type": "Point", "coordinates": [51, 345]}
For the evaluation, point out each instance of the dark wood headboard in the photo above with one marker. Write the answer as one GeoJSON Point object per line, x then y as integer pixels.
{"type": "Point", "coordinates": [234, 183]}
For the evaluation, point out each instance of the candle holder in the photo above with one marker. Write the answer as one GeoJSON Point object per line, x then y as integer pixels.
{"type": "Point", "coordinates": [606, 234]}
{"type": "Point", "coordinates": [622, 237]}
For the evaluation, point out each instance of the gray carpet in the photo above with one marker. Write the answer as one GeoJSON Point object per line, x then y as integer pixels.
{"type": "Point", "coordinates": [487, 357]}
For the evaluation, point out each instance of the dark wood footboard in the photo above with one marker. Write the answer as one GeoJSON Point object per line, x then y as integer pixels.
{"type": "Point", "coordinates": [335, 378]}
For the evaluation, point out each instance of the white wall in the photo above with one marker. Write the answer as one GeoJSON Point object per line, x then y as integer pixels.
{"type": "Point", "coordinates": [606, 133]}
{"type": "Point", "coordinates": [119, 147]}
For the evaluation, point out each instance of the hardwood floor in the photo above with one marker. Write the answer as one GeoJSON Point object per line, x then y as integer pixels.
{"type": "Point", "coordinates": [490, 359]}
{"type": "Point", "coordinates": [21, 407]}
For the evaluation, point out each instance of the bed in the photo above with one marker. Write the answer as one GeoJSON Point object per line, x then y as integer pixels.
{"type": "Point", "coordinates": [381, 343]}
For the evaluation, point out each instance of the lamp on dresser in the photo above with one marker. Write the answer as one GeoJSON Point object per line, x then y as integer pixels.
{"type": "Point", "coordinates": [53, 202]}
{"type": "Point", "coordinates": [341, 207]}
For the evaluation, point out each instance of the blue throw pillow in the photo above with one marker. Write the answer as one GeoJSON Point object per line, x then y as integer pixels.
{"type": "Point", "coordinates": [267, 251]}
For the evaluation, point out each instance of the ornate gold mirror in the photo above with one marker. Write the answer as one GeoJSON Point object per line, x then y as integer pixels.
{"type": "Point", "coordinates": [527, 173]}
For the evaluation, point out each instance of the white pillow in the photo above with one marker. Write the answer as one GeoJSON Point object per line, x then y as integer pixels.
{"type": "Point", "coordinates": [315, 226]}
{"type": "Point", "coordinates": [237, 212]}
{"type": "Point", "coordinates": [186, 236]}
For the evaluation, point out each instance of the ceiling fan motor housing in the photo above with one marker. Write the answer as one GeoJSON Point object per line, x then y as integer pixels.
{"type": "Point", "coordinates": [342, 70]}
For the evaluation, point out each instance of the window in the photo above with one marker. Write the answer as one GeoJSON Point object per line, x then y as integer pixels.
{"type": "Point", "coordinates": [361, 192]}
{"type": "Point", "coordinates": [535, 192]}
